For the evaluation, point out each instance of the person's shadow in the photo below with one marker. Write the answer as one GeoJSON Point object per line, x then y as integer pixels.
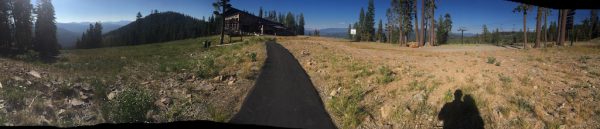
{"type": "Point", "coordinates": [460, 114]}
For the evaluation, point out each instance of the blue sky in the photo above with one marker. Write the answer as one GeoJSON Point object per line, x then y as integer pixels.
{"type": "Point", "coordinates": [471, 14]}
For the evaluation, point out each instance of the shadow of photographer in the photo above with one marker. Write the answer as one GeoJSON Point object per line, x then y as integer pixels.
{"type": "Point", "coordinates": [461, 113]}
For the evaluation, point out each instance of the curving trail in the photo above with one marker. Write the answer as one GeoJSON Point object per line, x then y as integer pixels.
{"type": "Point", "coordinates": [283, 95]}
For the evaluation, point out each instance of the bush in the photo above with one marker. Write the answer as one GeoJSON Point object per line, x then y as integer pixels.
{"type": "Point", "coordinates": [14, 96]}
{"type": "Point", "coordinates": [388, 75]}
{"type": "Point", "coordinates": [506, 80]}
{"type": "Point", "coordinates": [491, 60]}
{"type": "Point", "coordinates": [584, 59]}
{"type": "Point", "coordinates": [348, 108]}
{"type": "Point", "coordinates": [131, 105]}
{"type": "Point", "coordinates": [207, 67]}
{"type": "Point", "coordinates": [252, 56]}
{"type": "Point", "coordinates": [29, 56]}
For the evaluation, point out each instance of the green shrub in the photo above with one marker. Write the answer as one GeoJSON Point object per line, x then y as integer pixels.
{"type": "Point", "coordinates": [584, 59]}
{"type": "Point", "coordinates": [506, 80]}
{"type": "Point", "coordinates": [207, 67]}
{"type": "Point", "coordinates": [29, 56]}
{"type": "Point", "coordinates": [491, 60]}
{"type": "Point", "coordinates": [417, 85]}
{"type": "Point", "coordinates": [252, 56]}
{"type": "Point", "coordinates": [387, 75]}
{"type": "Point", "coordinates": [100, 90]}
{"type": "Point", "coordinates": [522, 103]}
{"type": "Point", "coordinates": [131, 105]}
{"type": "Point", "coordinates": [448, 96]}
{"type": "Point", "coordinates": [14, 95]}
{"type": "Point", "coordinates": [348, 108]}
{"type": "Point", "coordinates": [217, 114]}
{"type": "Point", "coordinates": [498, 63]}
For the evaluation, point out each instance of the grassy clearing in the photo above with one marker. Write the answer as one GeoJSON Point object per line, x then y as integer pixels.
{"type": "Point", "coordinates": [131, 106]}
{"type": "Point", "coordinates": [217, 114]}
{"type": "Point", "coordinates": [348, 106]}
{"type": "Point", "coordinates": [139, 75]}
{"type": "Point", "coordinates": [171, 57]}
{"type": "Point", "coordinates": [14, 94]}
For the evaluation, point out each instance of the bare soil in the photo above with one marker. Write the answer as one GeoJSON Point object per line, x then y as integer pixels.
{"type": "Point", "coordinates": [511, 88]}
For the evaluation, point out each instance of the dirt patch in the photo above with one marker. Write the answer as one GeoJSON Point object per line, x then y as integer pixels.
{"type": "Point", "coordinates": [536, 88]}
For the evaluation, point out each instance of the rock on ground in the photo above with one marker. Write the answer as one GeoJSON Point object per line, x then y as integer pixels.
{"type": "Point", "coordinates": [35, 74]}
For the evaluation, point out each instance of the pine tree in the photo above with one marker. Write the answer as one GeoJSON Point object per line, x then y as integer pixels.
{"type": "Point", "coordinates": [595, 23]}
{"type": "Point", "coordinates": [485, 34]}
{"type": "Point", "coordinates": [23, 25]}
{"type": "Point", "coordinates": [220, 7]}
{"type": "Point", "coordinates": [444, 27]}
{"type": "Point", "coordinates": [97, 37]}
{"type": "Point", "coordinates": [92, 38]}
{"type": "Point", "coordinates": [349, 31]}
{"type": "Point", "coordinates": [290, 22]}
{"type": "Point", "coordinates": [301, 24]}
{"type": "Point", "coordinates": [138, 16]}
{"type": "Point", "coordinates": [260, 12]}
{"type": "Point", "coordinates": [380, 35]}
{"type": "Point", "coordinates": [360, 36]}
{"type": "Point", "coordinates": [370, 22]}
{"type": "Point", "coordinates": [5, 28]}
{"type": "Point", "coordinates": [45, 31]}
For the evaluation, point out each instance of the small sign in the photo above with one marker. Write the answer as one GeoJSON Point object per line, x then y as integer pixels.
{"type": "Point", "coordinates": [353, 31]}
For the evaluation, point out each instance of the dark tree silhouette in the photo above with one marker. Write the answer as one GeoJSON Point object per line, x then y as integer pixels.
{"type": "Point", "coordinates": [260, 12]}
{"type": "Point", "coordinates": [443, 29]}
{"type": "Point", "coordinates": [5, 28]}
{"type": "Point", "coordinates": [538, 27]}
{"type": "Point", "coordinates": [45, 31]}
{"type": "Point", "coordinates": [380, 35]}
{"type": "Point", "coordinates": [154, 29]}
{"type": "Point", "coordinates": [301, 24]}
{"type": "Point", "coordinates": [523, 8]}
{"type": "Point", "coordinates": [360, 27]}
{"type": "Point", "coordinates": [417, 30]}
{"type": "Point", "coordinates": [370, 22]}
{"type": "Point", "coordinates": [220, 7]}
{"type": "Point", "coordinates": [23, 25]}
{"type": "Point", "coordinates": [92, 38]}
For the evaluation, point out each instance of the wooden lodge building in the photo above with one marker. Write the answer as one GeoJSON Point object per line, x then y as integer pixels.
{"type": "Point", "coordinates": [239, 22]}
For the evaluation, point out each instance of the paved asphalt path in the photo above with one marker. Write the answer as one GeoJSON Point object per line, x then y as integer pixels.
{"type": "Point", "coordinates": [283, 96]}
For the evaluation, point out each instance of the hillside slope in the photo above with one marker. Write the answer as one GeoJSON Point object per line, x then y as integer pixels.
{"type": "Point", "coordinates": [172, 81]}
{"type": "Point", "coordinates": [155, 28]}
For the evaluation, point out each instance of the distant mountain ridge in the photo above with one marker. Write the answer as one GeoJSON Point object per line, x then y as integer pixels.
{"type": "Point", "coordinates": [80, 27]}
{"type": "Point", "coordinates": [158, 27]}
{"type": "Point", "coordinates": [67, 33]}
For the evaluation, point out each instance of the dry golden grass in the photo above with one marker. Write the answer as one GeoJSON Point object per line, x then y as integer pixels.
{"type": "Point", "coordinates": [535, 88]}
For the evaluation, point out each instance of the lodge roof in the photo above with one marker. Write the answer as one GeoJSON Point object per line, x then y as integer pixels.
{"type": "Point", "coordinates": [231, 11]}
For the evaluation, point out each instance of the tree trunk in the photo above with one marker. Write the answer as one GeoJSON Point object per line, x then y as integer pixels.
{"type": "Point", "coordinates": [400, 34]}
{"type": "Point", "coordinates": [559, 27]}
{"type": "Point", "coordinates": [525, 30]}
{"type": "Point", "coordinates": [545, 26]}
{"type": "Point", "coordinates": [222, 25]}
{"type": "Point", "coordinates": [563, 27]}
{"type": "Point", "coordinates": [538, 30]}
{"type": "Point", "coordinates": [432, 41]}
{"type": "Point", "coordinates": [422, 38]}
{"type": "Point", "coordinates": [417, 32]}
